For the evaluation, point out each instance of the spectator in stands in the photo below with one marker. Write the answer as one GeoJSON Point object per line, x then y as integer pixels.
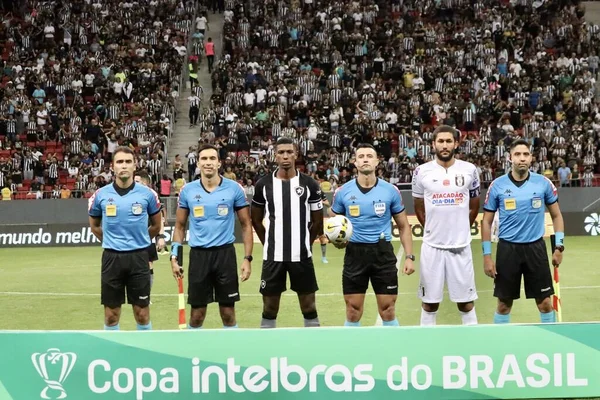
{"type": "Point", "coordinates": [564, 175]}
{"type": "Point", "coordinates": [385, 73]}
{"type": "Point", "coordinates": [77, 82]}
{"type": "Point", "coordinates": [165, 186]}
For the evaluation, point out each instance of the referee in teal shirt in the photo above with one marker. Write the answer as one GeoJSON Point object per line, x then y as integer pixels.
{"type": "Point", "coordinates": [125, 216]}
{"type": "Point", "coordinates": [370, 204]}
{"type": "Point", "coordinates": [209, 206]}
{"type": "Point", "coordinates": [521, 198]}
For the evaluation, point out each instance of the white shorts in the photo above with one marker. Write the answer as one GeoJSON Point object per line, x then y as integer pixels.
{"type": "Point", "coordinates": [454, 266]}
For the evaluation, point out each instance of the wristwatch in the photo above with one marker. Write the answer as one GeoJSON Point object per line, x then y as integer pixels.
{"type": "Point", "coordinates": [560, 248]}
{"type": "Point", "coordinates": [410, 257]}
{"type": "Point", "coordinates": [249, 258]}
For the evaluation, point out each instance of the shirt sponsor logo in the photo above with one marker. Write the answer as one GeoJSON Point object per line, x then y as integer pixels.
{"type": "Point", "coordinates": [198, 211]}
{"type": "Point", "coordinates": [459, 180]}
{"type": "Point", "coordinates": [354, 211]}
{"type": "Point", "coordinates": [222, 210]}
{"type": "Point", "coordinates": [111, 210]}
{"type": "Point", "coordinates": [136, 209]}
{"type": "Point", "coordinates": [379, 209]}
{"type": "Point", "coordinates": [447, 199]}
{"type": "Point", "coordinates": [510, 204]}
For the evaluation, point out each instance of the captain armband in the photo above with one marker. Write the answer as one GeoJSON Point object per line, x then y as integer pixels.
{"type": "Point", "coordinates": [474, 193]}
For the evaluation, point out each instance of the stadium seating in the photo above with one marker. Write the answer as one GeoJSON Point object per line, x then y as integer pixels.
{"type": "Point", "coordinates": [84, 74]}
{"type": "Point", "coordinates": [384, 72]}
{"type": "Point", "coordinates": [422, 62]}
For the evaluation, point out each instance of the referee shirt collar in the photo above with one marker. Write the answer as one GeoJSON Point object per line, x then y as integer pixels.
{"type": "Point", "coordinates": [200, 181]}
{"type": "Point", "coordinates": [123, 191]}
{"type": "Point", "coordinates": [366, 190]}
{"type": "Point", "coordinates": [518, 183]}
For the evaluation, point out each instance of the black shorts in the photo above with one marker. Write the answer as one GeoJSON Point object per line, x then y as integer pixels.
{"type": "Point", "coordinates": [274, 277]}
{"type": "Point", "coordinates": [213, 276]}
{"type": "Point", "coordinates": [125, 271]}
{"type": "Point", "coordinates": [152, 253]}
{"type": "Point", "coordinates": [370, 261]}
{"type": "Point", "coordinates": [529, 260]}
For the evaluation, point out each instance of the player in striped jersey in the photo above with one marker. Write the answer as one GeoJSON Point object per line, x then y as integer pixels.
{"type": "Point", "coordinates": [291, 207]}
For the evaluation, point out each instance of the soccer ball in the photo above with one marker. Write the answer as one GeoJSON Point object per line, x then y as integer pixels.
{"type": "Point", "coordinates": [338, 229]}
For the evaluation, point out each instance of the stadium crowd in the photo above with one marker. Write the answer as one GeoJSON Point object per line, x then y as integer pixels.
{"type": "Point", "coordinates": [80, 78]}
{"type": "Point", "coordinates": [331, 74]}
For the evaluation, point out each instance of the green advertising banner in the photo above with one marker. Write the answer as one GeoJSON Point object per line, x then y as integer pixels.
{"type": "Point", "coordinates": [444, 362]}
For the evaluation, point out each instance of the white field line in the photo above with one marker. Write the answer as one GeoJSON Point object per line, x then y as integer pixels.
{"type": "Point", "coordinates": [67, 294]}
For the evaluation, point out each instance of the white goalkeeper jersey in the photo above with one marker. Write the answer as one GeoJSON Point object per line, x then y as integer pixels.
{"type": "Point", "coordinates": [447, 193]}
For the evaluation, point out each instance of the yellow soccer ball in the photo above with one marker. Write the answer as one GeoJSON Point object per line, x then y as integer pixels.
{"type": "Point", "coordinates": [338, 229]}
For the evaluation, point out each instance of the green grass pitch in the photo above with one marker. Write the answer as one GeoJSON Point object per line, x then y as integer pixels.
{"type": "Point", "coordinates": [58, 289]}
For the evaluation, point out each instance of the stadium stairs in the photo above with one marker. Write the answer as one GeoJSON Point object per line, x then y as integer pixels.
{"type": "Point", "coordinates": [184, 136]}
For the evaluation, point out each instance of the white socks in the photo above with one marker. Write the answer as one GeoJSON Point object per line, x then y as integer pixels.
{"type": "Point", "coordinates": [428, 318]}
{"type": "Point", "coordinates": [469, 318]}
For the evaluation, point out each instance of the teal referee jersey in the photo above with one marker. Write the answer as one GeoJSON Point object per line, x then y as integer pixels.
{"type": "Point", "coordinates": [521, 206]}
{"type": "Point", "coordinates": [125, 215]}
{"type": "Point", "coordinates": [212, 214]}
{"type": "Point", "coordinates": [369, 210]}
